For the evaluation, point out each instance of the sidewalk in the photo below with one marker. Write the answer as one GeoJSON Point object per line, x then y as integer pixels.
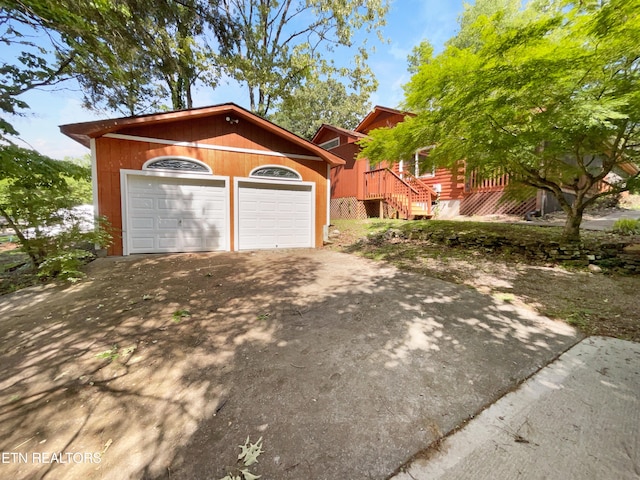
{"type": "Point", "coordinates": [577, 418]}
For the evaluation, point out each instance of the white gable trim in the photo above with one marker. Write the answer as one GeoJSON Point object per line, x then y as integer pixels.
{"type": "Point", "coordinates": [207, 146]}
{"type": "Point", "coordinates": [94, 177]}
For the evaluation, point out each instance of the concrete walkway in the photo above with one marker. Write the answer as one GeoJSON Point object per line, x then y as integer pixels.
{"type": "Point", "coordinates": [577, 418]}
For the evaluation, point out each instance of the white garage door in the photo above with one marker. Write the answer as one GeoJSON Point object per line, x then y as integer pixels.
{"type": "Point", "coordinates": [175, 214]}
{"type": "Point", "coordinates": [274, 216]}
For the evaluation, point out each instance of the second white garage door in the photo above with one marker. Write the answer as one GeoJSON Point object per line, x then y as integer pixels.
{"type": "Point", "coordinates": [274, 215]}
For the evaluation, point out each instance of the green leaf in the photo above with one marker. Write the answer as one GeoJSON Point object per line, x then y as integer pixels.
{"type": "Point", "coordinates": [248, 475]}
{"type": "Point", "coordinates": [250, 452]}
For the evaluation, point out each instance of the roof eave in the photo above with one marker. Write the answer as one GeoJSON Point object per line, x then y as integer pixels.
{"type": "Point", "coordinates": [84, 132]}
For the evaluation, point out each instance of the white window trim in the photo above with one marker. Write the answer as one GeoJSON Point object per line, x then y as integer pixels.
{"type": "Point", "coordinates": [299, 179]}
{"type": "Point", "coordinates": [417, 163]}
{"type": "Point", "coordinates": [146, 164]}
{"type": "Point", "coordinates": [124, 175]}
{"type": "Point", "coordinates": [324, 144]}
{"type": "Point", "coordinates": [236, 205]}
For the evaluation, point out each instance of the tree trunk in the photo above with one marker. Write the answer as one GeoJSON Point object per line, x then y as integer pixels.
{"type": "Point", "coordinates": [23, 240]}
{"type": "Point", "coordinates": [571, 232]}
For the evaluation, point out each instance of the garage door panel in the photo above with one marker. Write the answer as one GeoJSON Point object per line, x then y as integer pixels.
{"type": "Point", "coordinates": [213, 243]}
{"type": "Point", "coordinates": [141, 203]}
{"type": "Point", "coordinates": [142, 242]}
{"type": "Point", "coordinates": [168, 223]}
{"type": "Point", "coordinates": [142, 223]}
{"type": "Point", "coordinates": [167, 214]}
{"type": "Point", "coordinates": [168, 242]}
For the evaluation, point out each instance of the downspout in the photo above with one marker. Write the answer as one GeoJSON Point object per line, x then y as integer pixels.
{"type": "Point", "coordinates": [325, 230]}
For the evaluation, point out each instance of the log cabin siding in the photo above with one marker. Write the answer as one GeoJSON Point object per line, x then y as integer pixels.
{"type": "Point", "coordinates": [450, 181]}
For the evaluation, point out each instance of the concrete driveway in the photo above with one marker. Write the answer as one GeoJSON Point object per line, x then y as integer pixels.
{"type": "Point", "coordinates": [591, 222]}
{"type": "Point", "coordinates": [346, 368]}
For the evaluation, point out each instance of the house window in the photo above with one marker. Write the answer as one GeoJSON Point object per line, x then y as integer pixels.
{"type": "Point", "coordinates": [430, 174]}
{"type": "Point", "coordinates": [274, 171]}
{"type": "Point", "coordinates": [177, 163]}
{"type": "Point", "coordinates": [330, 144]}
{"type": "Point", "coordinates": [420, 158]}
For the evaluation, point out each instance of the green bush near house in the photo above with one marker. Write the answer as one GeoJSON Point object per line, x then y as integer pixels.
{"type": "Point", "coordinates": [627, 226]}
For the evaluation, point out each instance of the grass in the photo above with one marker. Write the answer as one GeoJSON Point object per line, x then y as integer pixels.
{"type": "Point", "coordinates": [362, 228]}
{"type": "Point", "coordinates": [178, 315]}
{"type": "Point", "coordinates": [627, 226]}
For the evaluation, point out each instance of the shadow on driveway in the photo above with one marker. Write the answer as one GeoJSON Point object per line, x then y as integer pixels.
{"type": "Point", "coordinates": [346, 367]}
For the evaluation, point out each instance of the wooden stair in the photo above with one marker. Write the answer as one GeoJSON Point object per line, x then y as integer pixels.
{"type": "Point", "coordinates": [408, 196]}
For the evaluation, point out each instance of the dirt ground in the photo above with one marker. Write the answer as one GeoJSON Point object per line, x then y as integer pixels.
{"type": "Point", "coordinates": [597, 303]}
{"type": "Point", "coordinates": [159, 366]}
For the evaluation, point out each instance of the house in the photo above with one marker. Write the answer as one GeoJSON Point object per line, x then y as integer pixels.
{"type": "Point", "coordinates": [401, 188]}
{"type": "Point", "coordinates": [216, 178]}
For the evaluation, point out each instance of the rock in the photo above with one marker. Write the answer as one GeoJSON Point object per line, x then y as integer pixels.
{"type": "Point", "coordinates": [594, 268]}
{"type": "Point", "coordinates": [633, 249]}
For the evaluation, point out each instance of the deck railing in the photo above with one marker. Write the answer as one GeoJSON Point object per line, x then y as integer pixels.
{"type": "Point", "coordinates": [384, 184]}
{"type": "Point", "coordinates": [425, 193]}
{"type": "Point", "coordinates": [476, 183]}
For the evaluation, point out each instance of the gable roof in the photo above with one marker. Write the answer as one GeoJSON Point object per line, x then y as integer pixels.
{"type": "Point", "coordinates": [343, 131]}
{"type": "Point", "coordinates": [375, 113]}
{"type": "Point", "coordinates": [85, 131]}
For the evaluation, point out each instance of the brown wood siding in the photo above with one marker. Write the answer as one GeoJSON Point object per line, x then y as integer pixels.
{"type": "Point", "coordinates": [451, 181]}
{"type": "Point", "coordinates": [347, 179]}
{"type": "Point", "coordinates": [384, 119]}
{"type": "Point", "coordinates": [327, 135]}
{"type": "Point", "coordinates": [216, 130]}
{"type": "Point", "coordinates": [116, 154]}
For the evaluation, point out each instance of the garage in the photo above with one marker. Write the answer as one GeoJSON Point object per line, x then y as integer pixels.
{"type": "Point", "coordinates": [274, 214]}
{"type": "Point", "coordinates": [175, 214]}
{"type": "Point", "coordinates": [206, 179]}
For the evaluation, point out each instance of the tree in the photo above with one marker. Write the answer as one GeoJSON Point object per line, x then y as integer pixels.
{"type": "Point", "coordinates": [552, 98]}
{"type": "Point", "coordinates": [129, 56]}
{"type": "Point", "coordinates": [503, 13]}
{"type": "Point", "coordinates": [317, 102]}
{"type": "Point", "coordinates": [278, 45]}
{"type": "Point", "coordinates": [36, 199]}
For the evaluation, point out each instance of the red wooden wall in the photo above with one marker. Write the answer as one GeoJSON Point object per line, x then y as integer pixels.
{"type": "Point", "coordinates": [115, 154]}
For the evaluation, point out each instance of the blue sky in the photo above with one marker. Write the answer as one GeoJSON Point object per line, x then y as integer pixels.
{"type": "Point", "coordinates": [408, 23]}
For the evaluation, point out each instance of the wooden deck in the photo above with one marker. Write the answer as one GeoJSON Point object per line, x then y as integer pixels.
{"type": "Point", "coordinates": [410, 197]}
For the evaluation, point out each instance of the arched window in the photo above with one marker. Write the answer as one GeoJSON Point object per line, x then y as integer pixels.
{"type": "Point", "coordinates": [275, 171]}
{"type": "Point", "coordinates": [181, 164]}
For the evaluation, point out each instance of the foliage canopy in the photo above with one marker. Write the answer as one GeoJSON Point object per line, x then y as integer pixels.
{"type": "Point", "coordinates": [139, 56]}
{"type": "Point", "coordinates": [549, 94]}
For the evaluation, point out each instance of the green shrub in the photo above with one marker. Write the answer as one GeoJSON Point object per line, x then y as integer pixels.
{"type": "Point", "coordinates": [67, 251]}
{"type": "Point", "coordinates": [65, 265]}
{"type": "Point", "coordinates": [627, 226]}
